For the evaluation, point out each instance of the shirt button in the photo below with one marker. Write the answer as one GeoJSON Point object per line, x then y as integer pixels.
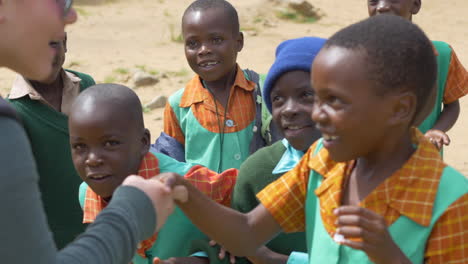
{"type": "Point", "coordinates": [237, 157]}
{"type": "Point", "coordinates": [255, 129]}
{"type": "Point", "coordinates": [229, 123]}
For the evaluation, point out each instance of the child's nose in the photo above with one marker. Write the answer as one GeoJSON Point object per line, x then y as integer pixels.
{"type": "Point", "coordinates": [290, 109]}
{"type": "Point", "coordinates": [383, 6]}
{"type": "Point", "coordinates": [93, 159]}
{"type": "Point", "coordinates": [71, 16]}
{"type": "Point", "coordinates": [318, 114]}
{"type": "Point", "coordinates": [204, 49]}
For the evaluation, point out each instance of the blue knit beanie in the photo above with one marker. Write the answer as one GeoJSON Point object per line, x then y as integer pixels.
{"type": "Point", "coordinates": [291, 55]}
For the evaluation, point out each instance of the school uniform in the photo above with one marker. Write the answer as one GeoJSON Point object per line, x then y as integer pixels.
{"type": "Point", "coordinates": [452, 82]}
{"type": "Point", "coordinates": [213, 136]}
{"type": "Point", "coordinates": [174, 239]}
{"type": "Point", "coordinates": [423, 203]}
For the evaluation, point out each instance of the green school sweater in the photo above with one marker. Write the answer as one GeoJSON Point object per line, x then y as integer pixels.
{"type": "Point", "coordinates": [47, 130]}
{"type": "Point", "coordinates": [255, 174]}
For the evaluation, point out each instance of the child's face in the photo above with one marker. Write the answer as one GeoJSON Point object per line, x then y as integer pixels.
{"type": "Point", "coordinates": [292, 101]}
{"type": "Point", "coordinates": [61, 48]}
{"type": "Point", "coordinates": [353, 119]}
{"type": "Point", "coordinates": [402, 8]}
{"type": "Point", "coordinates": [106, 148]}
{"type": "Point", "coordinates": [211, 45]}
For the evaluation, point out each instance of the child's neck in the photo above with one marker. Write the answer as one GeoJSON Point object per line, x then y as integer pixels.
{"type": "Point", "coordinates": [370, 171]}
{"type": "Point", "coordinates": [221, 88]}
{"type": "Point", "coordinates": [51, 92]}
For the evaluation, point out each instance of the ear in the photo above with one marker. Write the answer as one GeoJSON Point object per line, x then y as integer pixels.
{"type": "Point", "coordinates": [64, 42]}
{"type": "Point", "coordinates": [145, 142]}
{"type": "Point", "coordinates": [416, 7]}
{"type": "Point", "coordinates": [404, 108]}
{"type": "Point", "coordinates": [240, 41]}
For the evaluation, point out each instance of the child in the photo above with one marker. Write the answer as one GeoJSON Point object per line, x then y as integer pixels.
{"type": "Point", "coordinates": [215, 118]}
{"type": "Point", "coordinates": [44, 107]}
{"type": "Point", "coordinates": [453, 78]}
{"type": "Point", "coordinates": [378, 193]}
{"type": "Point", "coordinates": [289, 97]}
{"type": "Point", "coordinates": [109, 142]}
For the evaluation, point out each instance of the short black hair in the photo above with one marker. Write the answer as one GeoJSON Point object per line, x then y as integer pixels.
{"type": "Point", "coordinates": [224, 5]}
{"type": "Point", "coordinates": [398, 55]}
{"type": "Point", "coordinates": [119, 97]}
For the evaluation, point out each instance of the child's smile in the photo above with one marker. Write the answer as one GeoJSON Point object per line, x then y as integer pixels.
{"type": "Point", "coordinates": [211, 45]}
{"type": "Point", "coordinates": [347, 110]}
{"type": "Point", "coordinates": [292, 102]}
{"type": "Point", "coordinates": [105, 147]}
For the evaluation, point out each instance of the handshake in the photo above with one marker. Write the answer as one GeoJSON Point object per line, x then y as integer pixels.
{"type": "Point", "coordinates": [162, 190]}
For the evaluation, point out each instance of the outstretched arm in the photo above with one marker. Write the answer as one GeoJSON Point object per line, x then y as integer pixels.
{"type": "Point", "coordinates": [241, 234]}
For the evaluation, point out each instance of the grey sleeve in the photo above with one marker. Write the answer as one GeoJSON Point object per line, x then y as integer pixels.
{"type": "Point", "coordinates": [25, 235]}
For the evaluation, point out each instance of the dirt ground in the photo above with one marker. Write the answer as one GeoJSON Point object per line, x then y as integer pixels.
{"type": "Point", "coordinates": [112, 39]}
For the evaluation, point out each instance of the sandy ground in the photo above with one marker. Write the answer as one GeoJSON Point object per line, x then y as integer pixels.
{"type": "Point", "coordinates": [111, 40]}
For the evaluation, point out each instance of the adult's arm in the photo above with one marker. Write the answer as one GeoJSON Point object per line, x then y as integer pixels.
{"type": "Point", "coordinates": [25, 236]}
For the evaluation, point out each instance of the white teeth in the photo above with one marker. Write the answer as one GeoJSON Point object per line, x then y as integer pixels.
{"type": "Point", "coordinates": [294, 127]}
{"type": "Point", "coordinates": [211, 63]}
{"type": "Point", "coordinates": [329, 137]}
{"type": "Point", "coordinates": [97, 176]}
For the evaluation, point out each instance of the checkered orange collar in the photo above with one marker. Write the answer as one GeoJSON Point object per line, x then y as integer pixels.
{"type": "Point", "coordinates": [195, 92]}
{"type": "Point", "coordinates": [411, 190]}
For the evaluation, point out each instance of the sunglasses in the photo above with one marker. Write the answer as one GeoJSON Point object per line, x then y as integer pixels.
{"type": "Point", "coordinates": [65, 5]}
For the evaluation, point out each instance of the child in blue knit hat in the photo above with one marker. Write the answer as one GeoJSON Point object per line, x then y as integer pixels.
{"type": "Point", "coordinates": [289, 97]}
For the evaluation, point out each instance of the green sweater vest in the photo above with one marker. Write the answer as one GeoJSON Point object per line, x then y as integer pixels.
{"type": "Point", "coordinates": [47, 130]}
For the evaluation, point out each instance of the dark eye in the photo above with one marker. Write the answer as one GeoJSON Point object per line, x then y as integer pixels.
{"type": "Point", "coordinates": [111, 143]}
{"type": "Point", "coordinates": [78, 146]}
{"type": "Point", "coordinates": [191, 44]}
{"type": "Point", "coordinates": [307, 94]}
{"type": "Point", "coordinates": [217, 40]}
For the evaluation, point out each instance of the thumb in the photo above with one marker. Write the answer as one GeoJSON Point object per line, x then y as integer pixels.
{"type": "Point", "coordinates": [180, 194]}
{"type": "Point", "coordinates": [156, 260]}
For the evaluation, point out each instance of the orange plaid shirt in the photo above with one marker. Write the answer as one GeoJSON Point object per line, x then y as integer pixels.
{"type": "Point", "coordinates": [456, 85]}
{"type": "Point", "coordinates": [241, 107]}
{"type": "Point", "coordinates": [410, 191]}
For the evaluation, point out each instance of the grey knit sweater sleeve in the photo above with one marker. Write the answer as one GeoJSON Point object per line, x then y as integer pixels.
{"type": "Point", "coordinates": [25, 236]}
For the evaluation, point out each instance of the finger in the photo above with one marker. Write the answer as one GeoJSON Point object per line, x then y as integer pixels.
{"type": "Point", "coordinates": [156, 260]}
{"type": "Point", "coordinates": [355, 210]}
{"type": "Point", "coordinates": [354, 220]}
{"type": "Point", "coordinates": [232, 259]}
{"type": "Point", "coordinates": [180, 194]}
{"type": "Point", "coordinates": [360, 245]}
{"type": "Point", "coordinates": [446, 139]}
{"type": "Point", "coordinates": [212, 243]}
{"type": "Point", "coordinates": [353, 232]}
{"type": "Point", "coordinates": [222, 253]}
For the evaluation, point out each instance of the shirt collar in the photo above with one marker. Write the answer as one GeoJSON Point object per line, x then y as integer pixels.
{"type": "Point", "coordinates": [422, 171]}
{"type": "Point", "coordinates": [289, 159]}
{"type": "Point", "coordinates": [195, 92]}
{"type": "Point", "coordinates": [22, 87]}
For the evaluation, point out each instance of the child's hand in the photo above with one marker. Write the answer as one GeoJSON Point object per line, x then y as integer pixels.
{"type": "Point", "coordinates": [223, 252]}
{"type": "Point", "coordinates": [176, 183]}
{"type": "Point", "coordinates": [438, 138]}
{"type": "Point", "coordinates": [365, 230]}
